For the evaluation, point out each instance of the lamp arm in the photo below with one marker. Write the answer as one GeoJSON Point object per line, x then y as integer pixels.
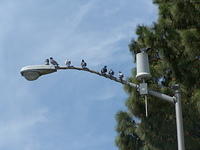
{"type": "Point", "coordinates": [103, 75]}
{"type": "Point", "coordinates": [162, 96]}
{"type": "Point", "coordinates": [150, 92]}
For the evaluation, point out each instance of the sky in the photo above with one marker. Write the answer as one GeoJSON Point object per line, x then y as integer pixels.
{"type": "Point", "coordinates": [68, 109]}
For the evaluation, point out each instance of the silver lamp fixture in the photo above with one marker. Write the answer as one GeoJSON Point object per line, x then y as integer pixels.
{"type": "Point", "coordinates": [34, 72]}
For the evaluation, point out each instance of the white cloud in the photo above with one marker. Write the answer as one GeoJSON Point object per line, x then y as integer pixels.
{"type": "Point", "coordinates": [20, 114]}
{"type": "Point", "coordinates": [18, 131]}
{"type": "Point", "coordinates": [74, 21]}
{"type": "Point", "coordinates": [104, 94]}
{"type": "Point", "coordinates": [88, 141]}
{"type": "Point", "coordinates": [68, 39]}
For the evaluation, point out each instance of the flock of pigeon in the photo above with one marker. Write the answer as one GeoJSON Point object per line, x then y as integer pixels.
{"type": "Point", "coordinates": [104, 70]}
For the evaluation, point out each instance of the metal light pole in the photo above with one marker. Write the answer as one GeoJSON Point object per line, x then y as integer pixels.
{"type": "Point", "coordinates": [34, 72]}
{"type": "Point", "coordinates": [179, 119]}
{"type": "Point", "coordinates": [176, 99]}
{"type": "Point", "coordinates": [143, 73]}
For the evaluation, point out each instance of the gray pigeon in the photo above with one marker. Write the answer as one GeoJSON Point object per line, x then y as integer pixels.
{"type": "Point", "coordinates": [111, 72]}
{"type": "Point", "coordinates": [68, 63]}
{"type": "Point", "coordinates": [121, 75]}
{"type": "Point", "coordinates": [104, 70]}
{"type": "Point", "coordinates": [145, 49]}
{"type": "Point", "coordinates": [83, 64]}
{"type": "Point", "coordinates": [46, 61]}
{"type": "Point", "coordinates": [53, 62]}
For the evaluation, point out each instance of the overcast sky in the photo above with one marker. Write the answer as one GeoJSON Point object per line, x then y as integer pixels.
{"type": "Point", "coordinates": [68, 109]}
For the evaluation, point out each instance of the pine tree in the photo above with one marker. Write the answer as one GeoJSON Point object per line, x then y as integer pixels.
{"type": "Point", "coordinates": [174, 58]}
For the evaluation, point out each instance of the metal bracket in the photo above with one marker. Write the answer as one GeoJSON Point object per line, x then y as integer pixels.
{"type": "Point", "coordinates": [143, 89]}
{"type": "Point", "coordinates": [174, 99]}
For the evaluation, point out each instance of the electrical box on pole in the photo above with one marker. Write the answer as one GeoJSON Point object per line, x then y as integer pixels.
{"type": "Point", "coordinates": [142, 63]}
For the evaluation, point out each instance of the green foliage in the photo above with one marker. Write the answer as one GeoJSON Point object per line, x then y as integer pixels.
{"type": "Point", "coordinates": [175, 55]}
{"type": "Point", "coordinates": [127, 138]}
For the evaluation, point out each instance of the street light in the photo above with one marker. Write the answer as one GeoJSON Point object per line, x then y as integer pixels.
{"type": "Point", "coordinates": [34, 72]}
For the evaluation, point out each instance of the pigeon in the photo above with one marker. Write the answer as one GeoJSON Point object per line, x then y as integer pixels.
{"type": "Point", "coordinates": [68, 63]}
{"type": "Point", "coordinates": [111, 72]}
{"type": "Point", "coordinates": [46, 61]}
{"type": "Point", "coordinates": [104, 70]}
{"type": "Point", "coordinates": [53, 62]}
{"type": "Point", "coordinates": [121, 75]}
{"type": "Point", "coordinates": [83, 64]}
{"type": "Point", "coordinates": [145, 49]}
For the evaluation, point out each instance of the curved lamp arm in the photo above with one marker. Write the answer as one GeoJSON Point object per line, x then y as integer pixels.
{"type": "Point", "coordinates": [103, 75]}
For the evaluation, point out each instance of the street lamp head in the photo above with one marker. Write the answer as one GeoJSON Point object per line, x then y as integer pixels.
{"type": "Point", "coordinates": [34, 72]}
{"type": "Point", "coordinates": [31, 75]}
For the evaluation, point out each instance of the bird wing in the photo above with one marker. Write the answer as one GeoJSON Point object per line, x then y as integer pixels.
{"type": "Point", "coordinates": [54, 62]}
